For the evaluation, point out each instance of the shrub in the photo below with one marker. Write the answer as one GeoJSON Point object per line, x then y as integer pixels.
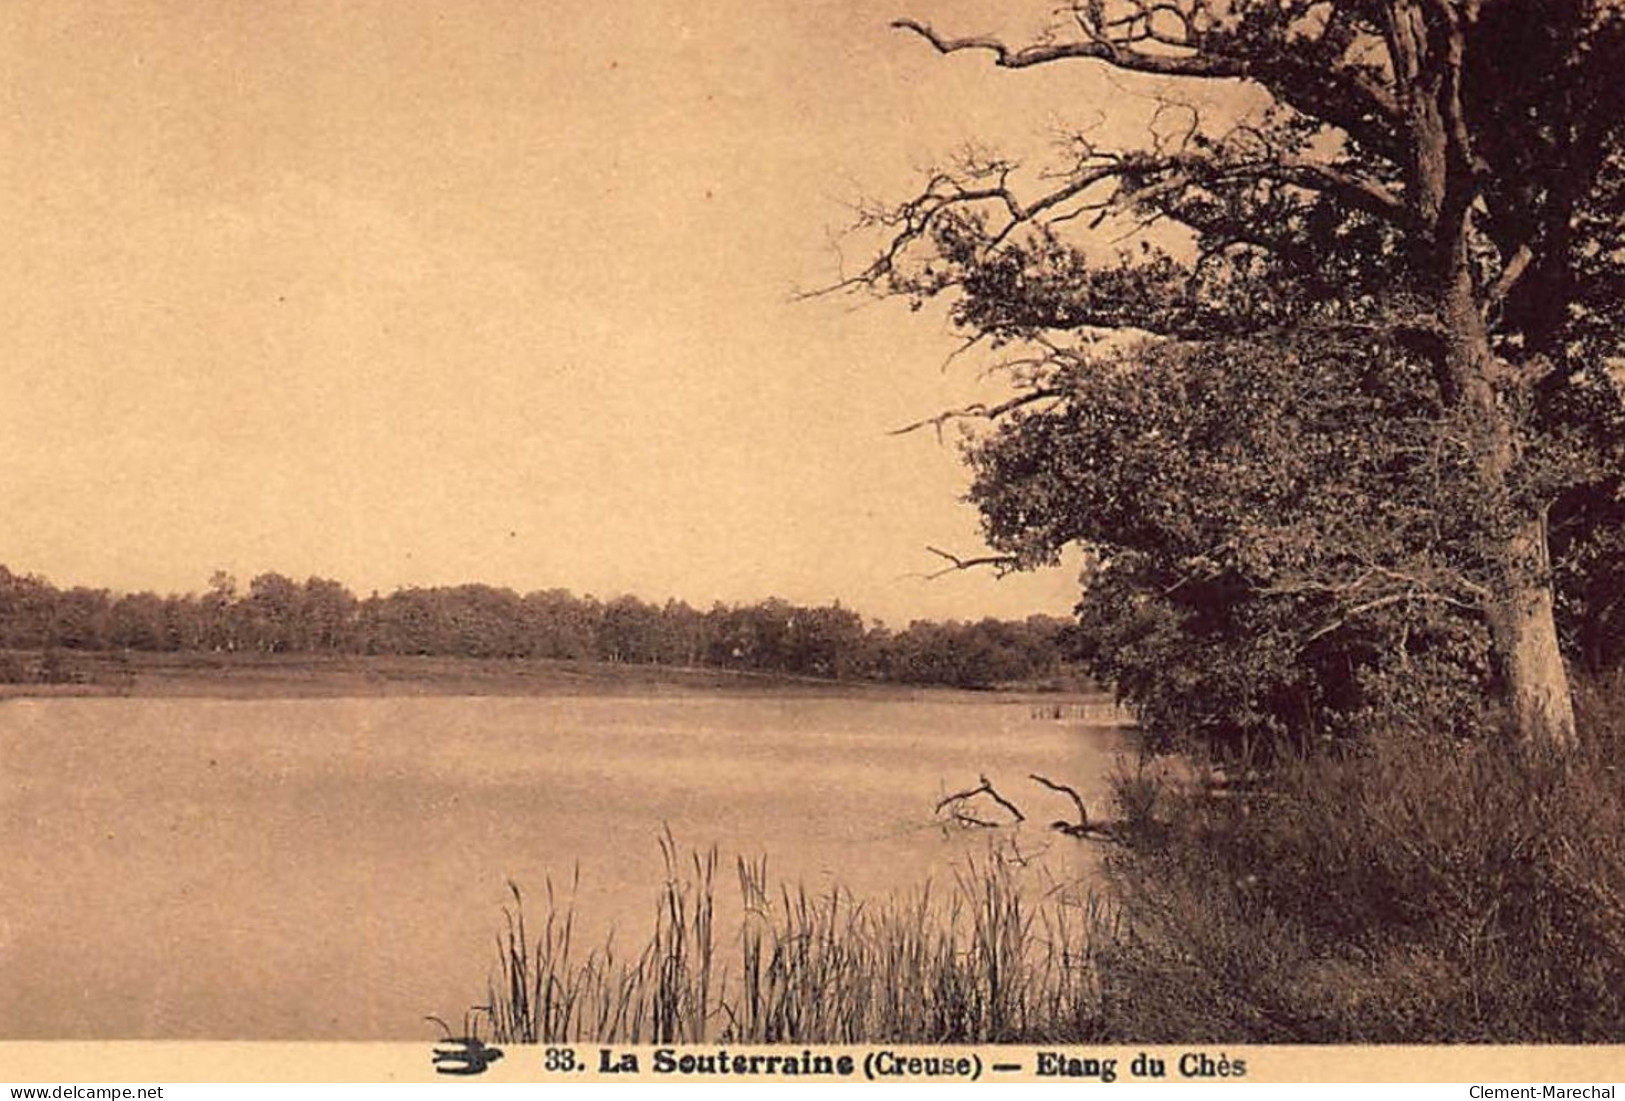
{"type": "Point", "coordinates": [13, 670]}
{"type": "Point", "coordinates": [1409, 890]}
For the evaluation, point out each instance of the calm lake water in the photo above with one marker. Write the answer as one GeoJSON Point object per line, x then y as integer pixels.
{"type": "Point", "coordinates": [336, 869]}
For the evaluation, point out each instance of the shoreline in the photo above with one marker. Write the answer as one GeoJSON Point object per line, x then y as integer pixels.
{"type": "Point", "coordinates": [142, 674]}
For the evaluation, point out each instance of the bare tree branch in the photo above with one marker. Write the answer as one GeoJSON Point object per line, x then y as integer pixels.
{"type": "Point", "coordinates": [1360, 192]}
{"type": "Point", "coordinates": [1142, 181]}
{"type": "Point", "coordinates": [1521, 259]}
{"type": "Point", "coordinates": [977, 411]}
{"type": "Point", "coordinates": [984, 787]}
{"type": "Point", "coordinates": [1077, 800]}
{"type": "Point", "coordinates": [1097, 48]}
{"type": "Point", "coordinates": [1372, 605]}
{"type": "Point", "coordinates": [999, 561]}
{"type": "Point", "coordinates": [1349, 96]}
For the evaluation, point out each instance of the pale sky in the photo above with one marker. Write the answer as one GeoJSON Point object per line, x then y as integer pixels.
{"type": "Point", "coordinates": [401, 293]}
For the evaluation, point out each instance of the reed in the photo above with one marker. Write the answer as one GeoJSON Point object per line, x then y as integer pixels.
{"type": "Point", "coordinates": [1000, 955]}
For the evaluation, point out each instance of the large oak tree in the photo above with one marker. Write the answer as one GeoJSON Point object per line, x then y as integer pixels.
{"type": "Point", "coordinates": [1443, 175]}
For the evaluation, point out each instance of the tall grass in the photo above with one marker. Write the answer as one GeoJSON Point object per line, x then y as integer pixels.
{"type": "Point", "coordinates": [1001, 955]}
{"type": "Point", "coordinates": [1416, 890]}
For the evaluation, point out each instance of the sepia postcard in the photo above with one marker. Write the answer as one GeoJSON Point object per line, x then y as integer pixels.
{"type": "Point", "coordinates": [841, 540]}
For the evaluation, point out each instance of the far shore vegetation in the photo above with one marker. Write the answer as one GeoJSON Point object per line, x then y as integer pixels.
{"type": "Point", "coordinates": [479, 638]}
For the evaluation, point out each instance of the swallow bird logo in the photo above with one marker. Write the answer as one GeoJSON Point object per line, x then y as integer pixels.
{"type": "Point", "coordinates": [463, 1055]}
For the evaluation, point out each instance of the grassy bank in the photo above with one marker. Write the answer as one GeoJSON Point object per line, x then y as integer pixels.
{"type": "Point", "coordinates": [254, 675]}
{"type": "Point", "coordinates": [246, 675]}
{"type": "Point", "coordinates": [1412, 891]}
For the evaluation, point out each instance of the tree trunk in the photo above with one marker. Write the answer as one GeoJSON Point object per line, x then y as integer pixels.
{"type": "Point", "coordinates": [1523, 632]}
{"type": "Point", "coordinates": [1520, 612]}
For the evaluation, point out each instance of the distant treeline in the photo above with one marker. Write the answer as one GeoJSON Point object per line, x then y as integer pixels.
{"type": "Point", "coordinates": [277, 615]}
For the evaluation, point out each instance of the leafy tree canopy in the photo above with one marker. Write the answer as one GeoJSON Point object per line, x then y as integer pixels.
{"type": "Point", "coordinates": [1353, 368]}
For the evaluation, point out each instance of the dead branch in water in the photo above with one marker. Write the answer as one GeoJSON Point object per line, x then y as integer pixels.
{"type": "Point", "coordinates": [957, 801]}
{"type": "Point", "coordinates": [1083, 827]}
{"type": "Point", "coordinates": [1070, 792]}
